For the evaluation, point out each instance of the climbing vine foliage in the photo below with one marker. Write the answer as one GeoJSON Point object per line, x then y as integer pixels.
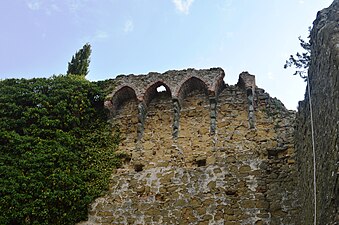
{"type": "Point", "coordinates": [56, 149]}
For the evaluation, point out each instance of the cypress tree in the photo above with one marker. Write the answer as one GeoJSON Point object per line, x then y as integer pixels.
{"type": "Point", "coordinates": [80, 61]}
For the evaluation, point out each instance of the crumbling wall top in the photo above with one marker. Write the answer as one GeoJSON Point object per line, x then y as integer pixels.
{"type": "Point", "coordinates": [176, 83]}
{"type": "Point", "coordinates": [172, 78]}
{"type": "Point", "coordinates": [246, 81]}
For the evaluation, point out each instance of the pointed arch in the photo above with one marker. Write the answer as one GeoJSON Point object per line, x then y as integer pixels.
{"type": "Point", "coordinates": [192, 84]}
{"type": "Point", "coordinates": [121, 96]}
{"type": "Point", "coordinates": [151, 91]}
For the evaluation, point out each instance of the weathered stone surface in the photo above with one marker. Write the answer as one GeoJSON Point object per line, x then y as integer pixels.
{"type": "Point", "coordinates": [201, 161]}
{"type": "Point", "coordinates": [324, 85]}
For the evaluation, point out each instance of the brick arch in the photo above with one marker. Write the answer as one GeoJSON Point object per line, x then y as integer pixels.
{"type": "Point", "coordinates": [151, 91]}
{"type": "Point", "coordinates": [122, 95]}
{"type": "Point", "coordinates": [125, 84]}
{"type": "Point", "coordinates": [190, 84]}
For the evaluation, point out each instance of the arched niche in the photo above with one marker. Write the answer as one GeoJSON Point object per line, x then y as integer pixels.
{"type": "Point", "coordinates": [157, 90]}
{"type": "Point", "coordinates": [122, 97]}
{"type": "Point", "coordinates": [125, 106]}
{"type": "Point", "coordinates": [191, 85]}
{"type": "Point", "coordinates": [194, 129]}
{"type": "Point", "coordinates": [157, 136]}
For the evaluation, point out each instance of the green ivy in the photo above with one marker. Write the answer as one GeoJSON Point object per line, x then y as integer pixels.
{"type": "Point", "coordinates": [56, 149]}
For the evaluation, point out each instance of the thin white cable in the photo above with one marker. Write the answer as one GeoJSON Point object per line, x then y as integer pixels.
{"type": "Point", "coordinates": [314, 157]}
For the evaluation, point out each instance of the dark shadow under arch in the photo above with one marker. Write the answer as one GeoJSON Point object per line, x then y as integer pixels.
{"type": "Point", "coordinates": [123, 95]}
{"type": "Point", "coordinates": [190, 85]}
{"type": "Point", "coordinates": [152, 92]}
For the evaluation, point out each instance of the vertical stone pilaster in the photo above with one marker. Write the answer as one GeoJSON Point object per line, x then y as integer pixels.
{"type": "Point", "coordinates": [250, 102]}
{"type": "Point", "coordinates": [141, 120]}
{"type": "Point", "coordinates": [213, 114]}
{"type": "Point", "coordinates": [247, 82]}
{"type": "Point", "coordinates": [137, 155]}
{"type": "Point", "coordinates": [176, 117]}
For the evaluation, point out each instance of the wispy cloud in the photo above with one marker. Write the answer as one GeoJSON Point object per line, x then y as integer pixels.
{"type": "Point", "coordinates": [301, 1]}
{"type": "Point", "coordinates": [47, 7]}
{"type": "Point", "coordinates": [100, 35]}
{"type": "Point", "coordinates": [55, 7]}
{"type": "Point", "coordinates": [183, 6]}
{"type": "Point", "coordinates": [50, 6]}
{"type": "Point", "coordinates": [129, 26]}
{"type": "Point", "coordinates": [74, 5]}
{"type": "Point", "coordinates": [34, 4]}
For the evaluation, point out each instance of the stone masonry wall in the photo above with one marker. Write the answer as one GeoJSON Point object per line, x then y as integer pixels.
{"type": "Point", "coordinates": [324, 84]}
{"type": "Point", "coordinates": [201, 153]}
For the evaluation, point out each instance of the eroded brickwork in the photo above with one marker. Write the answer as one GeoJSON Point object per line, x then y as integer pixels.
{"type": "Point", "coordinates": [203, 152]}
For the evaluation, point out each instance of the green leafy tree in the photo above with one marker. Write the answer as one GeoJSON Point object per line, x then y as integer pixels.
{"type": "Point", "coordinates": [80, 61]}
{"type": "Point", "coordinates": [301, 61]}
{"type": "Point", "coordinates": [56, 149]}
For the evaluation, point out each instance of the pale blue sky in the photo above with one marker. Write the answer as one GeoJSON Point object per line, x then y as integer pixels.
{"type": "Point", "coordinates": [39, 37]}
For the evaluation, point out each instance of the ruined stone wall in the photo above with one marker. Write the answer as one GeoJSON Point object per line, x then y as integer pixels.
{"type": "Point", "coordinates": [324, 85]}
{"type": "Point", "coordinates": [202, 152]}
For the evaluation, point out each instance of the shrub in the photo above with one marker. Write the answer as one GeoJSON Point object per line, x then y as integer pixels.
{"type": "Point", "coordinates": [56, 149]}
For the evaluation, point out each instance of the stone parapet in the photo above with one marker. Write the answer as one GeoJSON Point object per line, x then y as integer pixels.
{"type": "Point", "coordinates": [175, 82]}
